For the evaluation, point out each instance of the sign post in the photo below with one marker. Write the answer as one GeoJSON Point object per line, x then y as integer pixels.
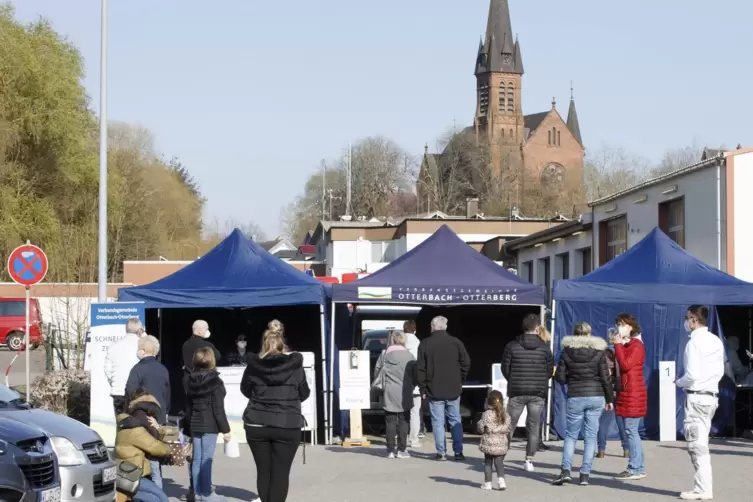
{"type": "Point", "coordinates": [667, 402]}
{"type": "Point", "coordinates": [355, 392]}
{"type": "Point", "coordinates": [27, 265]}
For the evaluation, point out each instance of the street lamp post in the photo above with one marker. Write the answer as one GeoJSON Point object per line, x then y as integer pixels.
{"type": "Point", "coordinates": [102, 258]}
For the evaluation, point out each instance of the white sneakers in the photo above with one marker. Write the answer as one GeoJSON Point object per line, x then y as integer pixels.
{"type": "Point", "coordinates": [529, 466]}
{"type": "Point", "coordinates": [696, 496]}
{"type": "Point", "coordinates": [486, 486]}
{"type": "Point", "coordinates": [500, 482]}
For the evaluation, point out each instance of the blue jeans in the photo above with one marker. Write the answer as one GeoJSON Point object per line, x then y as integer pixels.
{"type": "Point", "coordinates": [604, 425]}
{"type": "Point", "coordinates": [441, 409]}
{"type": "Point", "coordinates": [156, 472]}
{"type": "Point", "coordinates": [201, 465]}
{"type": "Point", "coordinates": [635, 461]}
{"type": "Point", "coordinates": [149, 492]}
{"type": "Point", "coordinates": [582, 413]}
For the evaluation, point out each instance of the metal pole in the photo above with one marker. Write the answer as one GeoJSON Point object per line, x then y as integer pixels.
{"type": "Point", "coordinates": [26, 348]}
{"type": "Point", "coordinates": [102, 286]}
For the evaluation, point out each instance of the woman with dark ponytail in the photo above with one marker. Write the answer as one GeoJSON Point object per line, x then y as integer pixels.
{"type": "Point", "coordinates": [494, 428]}
{"type": "Point", "coordinates": [275, 384]}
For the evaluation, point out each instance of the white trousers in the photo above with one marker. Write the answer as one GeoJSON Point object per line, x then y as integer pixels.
{"type": "Point", "coordinates": [699, 410]}
{"type": "Point", "coordinates": [415, 420]}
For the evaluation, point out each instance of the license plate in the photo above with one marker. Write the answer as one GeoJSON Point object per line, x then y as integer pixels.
{"type": "Point", "coordinates": [52, 495]}
{"type": "Point", "coordinates": [109, 474]}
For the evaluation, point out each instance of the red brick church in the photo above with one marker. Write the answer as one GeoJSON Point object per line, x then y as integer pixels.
{"type": "Point", "coordinates": [541, 146]}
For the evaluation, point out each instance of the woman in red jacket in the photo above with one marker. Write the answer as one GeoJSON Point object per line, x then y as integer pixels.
{"type": "Point", "coordinates": [633, 398]}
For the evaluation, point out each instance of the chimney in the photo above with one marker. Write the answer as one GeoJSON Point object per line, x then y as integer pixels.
{"type": "Point", "coordinates": [471, 207]}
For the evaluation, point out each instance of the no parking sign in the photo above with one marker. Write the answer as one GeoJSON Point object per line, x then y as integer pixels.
{"type": "Point", "coordinates": [27, 265]}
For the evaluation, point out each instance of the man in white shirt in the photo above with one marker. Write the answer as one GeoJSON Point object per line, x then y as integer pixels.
{"type": "Point", "coordinates": [704, 367]}
{"type": "Point", "coordinates": [121, 357]}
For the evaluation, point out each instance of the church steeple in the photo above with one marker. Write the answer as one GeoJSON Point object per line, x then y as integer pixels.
{"type": "Point", "coordinates": [500, 51]}
{"type": "Point", "coordinates": [572, 118]}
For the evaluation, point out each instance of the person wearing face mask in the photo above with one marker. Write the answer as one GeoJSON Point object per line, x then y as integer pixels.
{"type": "Point", "coordinates": [704, 368]}
{"type": "Point", "coordinates": [238, 356]}
{"type": "Point", "coordinates": [151, 376]}
{"type": "Point", "coordinates": [632, 401]}
{"type": "Point", "coordinates": [736, 370]}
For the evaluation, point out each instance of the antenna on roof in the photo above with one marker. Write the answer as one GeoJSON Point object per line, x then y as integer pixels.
{"type": "Point", "coordinates": [347, 181]}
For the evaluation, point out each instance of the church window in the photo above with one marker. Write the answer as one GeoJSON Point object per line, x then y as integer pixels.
{"type": "Point", "coordinates": [483, 99]}
{"type": "Point", "coordinates": [554, 136]}
{"type": "Point", "coordinates": [558, 139]}
{"type": "Point", "coordinates": [511, 134]}
{"type": "Point", "coordinates": [550, 137]}
{"type": "Point", "coordinates": [510, 98]}
{"type": "Point", "coordinates": [503, 134]}
{"type": "Point", "coordinates": [501, 107]}
{"type": "Point", "coordinates": [553, 178]}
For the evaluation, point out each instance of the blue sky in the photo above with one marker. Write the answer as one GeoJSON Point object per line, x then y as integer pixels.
{"type": "Point", "coordinates": [252, 95]}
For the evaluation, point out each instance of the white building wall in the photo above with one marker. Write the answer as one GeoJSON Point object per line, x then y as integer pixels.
{"type": "Point", "coordinates": [571, 245]}
{"type": "Point", "coordinates": [699, 189]}
{"type": "Point", "coordinates": [743, 209]}
{"type": "Point", "coordinates": [414, 240]}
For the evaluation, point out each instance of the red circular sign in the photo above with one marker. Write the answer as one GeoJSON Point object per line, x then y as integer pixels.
{"type": "Point", "coordinates": [27, 265]}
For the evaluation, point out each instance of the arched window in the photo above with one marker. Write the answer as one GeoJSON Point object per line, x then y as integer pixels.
{"type": "Point", "coordinates": [501, 106]}
{"type": "Point", "coordinates": [553, 178]}
{"type": "Point", "coordinates": [558, 139]}
{"type": "Point", "coordinates": [512, 136]}
{"type": "Point", "coordinates": [503, 134]}
{"type": "Point", "coordinates": [510, 98]}
{"type": "Point", "coordinates": [550, 137]}
{"type": "Point", "coordinates": [483, 99]}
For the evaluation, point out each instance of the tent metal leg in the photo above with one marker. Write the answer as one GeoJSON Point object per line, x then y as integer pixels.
{"type": "Point", "coordinates": [551, 380]}
{"type": "Point", "coordinates": [159, 330]}
{"type": "Point", "coordinates": [330, 390]}
{"type": "Point", "coordinates": [325, 376]}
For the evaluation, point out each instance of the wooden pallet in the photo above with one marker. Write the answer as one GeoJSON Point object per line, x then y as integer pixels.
{"type": "Point", "coordinates": [360, 443]}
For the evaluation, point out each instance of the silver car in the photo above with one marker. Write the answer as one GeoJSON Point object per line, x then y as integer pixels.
{"type": "Point", "coordinates": [87, 473]}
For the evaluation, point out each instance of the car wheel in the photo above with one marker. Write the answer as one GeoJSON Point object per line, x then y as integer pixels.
{"type": "Point", "coordinates": [14, 341]}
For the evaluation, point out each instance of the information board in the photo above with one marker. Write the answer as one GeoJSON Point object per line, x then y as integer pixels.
{"type": "Point", "coordinates": [667, 402]}
{"type": "Point", "coordinates": [355, 380]}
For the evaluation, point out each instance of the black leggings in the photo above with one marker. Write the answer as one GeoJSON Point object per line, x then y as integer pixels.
{"type": "Point", "coordinates": [273, 449]}
{"type": "Point", "coordinates": [497, 462]}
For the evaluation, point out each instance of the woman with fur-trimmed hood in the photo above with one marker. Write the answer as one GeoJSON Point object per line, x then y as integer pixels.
{"type": "Point", "coordinates": [583, 368]}
{"type": "Point", "coordinates": [138, 439]}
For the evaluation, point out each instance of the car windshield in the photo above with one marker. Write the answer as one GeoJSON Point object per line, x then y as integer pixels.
{"type": "Point", "coordinates": [375, 340]}
{"type": "Point", "coordinates": [9, 396]}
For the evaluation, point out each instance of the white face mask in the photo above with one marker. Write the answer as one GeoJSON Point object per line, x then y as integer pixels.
{"type": "Point", "coordinates": [623, 330]}
{"type": "Point", "coordinates": [207, 334]}
{"type": "Point", "coordinates": [687, 326]}
{"type": "Point", "coordinates": [242, 345]}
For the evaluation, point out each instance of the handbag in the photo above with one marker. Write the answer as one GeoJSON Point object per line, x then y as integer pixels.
{"type": "Point", "coordinates": [179, 452]}
{"type": "Point", "coordinates": [129, 478]}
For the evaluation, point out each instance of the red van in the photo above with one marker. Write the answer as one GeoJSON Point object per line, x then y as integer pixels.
{"type": "Point", "coordinates": [13, 322]}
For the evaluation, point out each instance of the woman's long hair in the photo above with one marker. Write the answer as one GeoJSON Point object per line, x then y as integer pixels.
{"type": "Point", "coordinates": [544, 334]}
{"type": "Point", "coordinates": [273, 341]}
{"type": "Point", "coordinates": [495, 401]}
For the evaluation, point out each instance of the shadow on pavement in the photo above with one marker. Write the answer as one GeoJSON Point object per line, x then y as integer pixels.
{"type": "Point", "coordinates": [454, 481]}
{"type": "Point", "coordinates": [718, 448]}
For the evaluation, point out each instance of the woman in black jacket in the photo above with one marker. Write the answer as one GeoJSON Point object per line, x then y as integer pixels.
{"type": "Point", "coordinates": [583, 367]}
{"type": "Point", "coordinates": [206, 414]}
{"type": "Point", "coordinates": [275, 384]}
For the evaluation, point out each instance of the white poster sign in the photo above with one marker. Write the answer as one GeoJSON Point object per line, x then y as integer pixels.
{"type": "Point", "coordinates": [667, 402]}
{"type": "Point", "coordinates": [108, 322]}
{"type": "Point", "coordinates": [355, 380]}
{"type": "Point", "coordinates": [499, 382]}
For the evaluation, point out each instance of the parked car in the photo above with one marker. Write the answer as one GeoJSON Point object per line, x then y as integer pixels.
{"type": "Point", "coordinates": [28, 469]}
{"type": "Point", "coordinates": [87, 472]}
{"type": "Point", "coordinates": [13, 323]}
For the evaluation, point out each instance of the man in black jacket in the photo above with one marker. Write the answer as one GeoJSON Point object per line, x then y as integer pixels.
{"type": "Point", "coordinates": [151, 375]}
{"type": "Point", "coordinates": [443, 365]}
{"type": "Point", "coordinates": [527, 365]}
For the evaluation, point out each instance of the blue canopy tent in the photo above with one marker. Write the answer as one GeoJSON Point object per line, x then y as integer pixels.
{"type": "Point", "coordinates": [443, 271]}
{"type": "Point", "coordinates": [656, 281]}
{"type": "Point", "coordinates": [236, 273]}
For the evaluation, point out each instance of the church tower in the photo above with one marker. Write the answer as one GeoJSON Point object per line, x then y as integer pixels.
{"type": "Point", "coordinates": [499, 72]}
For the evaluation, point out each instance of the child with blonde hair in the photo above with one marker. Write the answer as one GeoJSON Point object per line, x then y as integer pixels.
{"type": "Point", "coordinates": [494, 428]}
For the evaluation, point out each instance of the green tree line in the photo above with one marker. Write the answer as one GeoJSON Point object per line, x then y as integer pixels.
{"type": "Point", "coordinates": [49, 147]}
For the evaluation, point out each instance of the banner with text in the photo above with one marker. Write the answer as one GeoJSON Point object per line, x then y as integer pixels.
{"type": "Point", "coordinates": [108, 322]}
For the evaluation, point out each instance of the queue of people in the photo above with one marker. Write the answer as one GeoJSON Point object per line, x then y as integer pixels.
{"type": "Point", "coordinates": [273, 381]}
{"type": "Point", "coordinates": [604, 378]}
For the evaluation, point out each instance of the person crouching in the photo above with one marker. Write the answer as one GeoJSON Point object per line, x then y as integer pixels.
{"type": "Point", "coordinates": [397, 367]}
{"type": "Point", "coordinates": [138, 439]}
